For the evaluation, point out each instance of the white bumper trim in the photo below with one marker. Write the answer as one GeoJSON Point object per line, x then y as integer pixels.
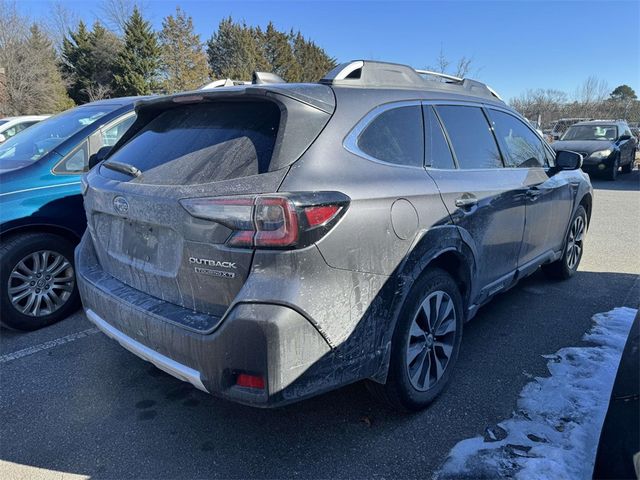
{"type": "Point", "coordinates": [178, 370]}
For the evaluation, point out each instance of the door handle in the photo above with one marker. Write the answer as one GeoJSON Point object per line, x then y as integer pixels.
{"type": "Point", "coordinates": [533, 193]}
{"type": "Point", "coordinates": [466, 201]}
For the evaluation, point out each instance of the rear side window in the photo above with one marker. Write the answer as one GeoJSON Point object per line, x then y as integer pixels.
{"type": "Point", "coordinates": [202, 143]}
{"type": "Point", "coordinates": [523, 148]}
{"type": "Point", "coordinates": [437, 152]}
{"type": "Point", "coordinates": [470, 136]}
{"type": "Point", "coordinates": [395, 136]}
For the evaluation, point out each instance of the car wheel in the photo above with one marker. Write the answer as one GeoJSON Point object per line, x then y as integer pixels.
{"type": "Point", "coordinates": [567, 265]}
{"type": "Point", "coordinates": [612, 174]}
{"type": "Point", "coordinates": [629, 166]}
{"type": "Point", "coordinates": [37, 278]}
{"type": "Point", "coordinates": [425, 343]}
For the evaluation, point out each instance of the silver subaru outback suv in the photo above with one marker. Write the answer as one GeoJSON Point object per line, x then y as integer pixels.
{"type": "Point", "coordinates": [273, 241]}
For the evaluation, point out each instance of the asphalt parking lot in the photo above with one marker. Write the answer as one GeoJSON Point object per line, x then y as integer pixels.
{"type": "Point", "coordinates": [73, 401]}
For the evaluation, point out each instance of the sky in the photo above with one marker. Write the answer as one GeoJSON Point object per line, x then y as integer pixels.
{"type": "Point", "coordinates": [515, 45]}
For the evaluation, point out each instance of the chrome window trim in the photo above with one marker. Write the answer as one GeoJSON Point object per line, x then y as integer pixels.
{"type": "Point", "coordinates": [350, 142]}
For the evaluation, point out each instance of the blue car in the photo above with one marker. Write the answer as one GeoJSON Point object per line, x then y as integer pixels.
{"type": "Point", "coordinates": [41, 213]}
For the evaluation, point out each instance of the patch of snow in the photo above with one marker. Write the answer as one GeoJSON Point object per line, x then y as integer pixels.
{"type": "Point", "coordinates": [555, 431]}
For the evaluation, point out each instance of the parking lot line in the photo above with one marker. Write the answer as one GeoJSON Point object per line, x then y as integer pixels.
{"type": "Point", "coordinates": [47, 345]}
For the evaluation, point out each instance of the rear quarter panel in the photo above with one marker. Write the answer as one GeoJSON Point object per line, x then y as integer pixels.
{"type": "Point", "coordinates": [52, 205]}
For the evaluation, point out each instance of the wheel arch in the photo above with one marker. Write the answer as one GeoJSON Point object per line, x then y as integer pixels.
{"type": "Point", "coordinates": [587, 203]}
{"type": "Point", "coordinates": [58, 230]}
{"type": "Point", "coordinates": [440, 247]}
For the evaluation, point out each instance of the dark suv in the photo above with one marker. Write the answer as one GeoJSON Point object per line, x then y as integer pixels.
{"type": "Point", "coordinates": [270, 242]}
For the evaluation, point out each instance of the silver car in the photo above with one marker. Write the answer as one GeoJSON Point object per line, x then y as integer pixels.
{"type": "Point", "coordinates": [273, 241]}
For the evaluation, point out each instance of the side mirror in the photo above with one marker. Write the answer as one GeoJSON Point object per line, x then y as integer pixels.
{"type": "Point", "coordinates": [566, 160]}
{"type": "Point", "coordinates": [97, 157]}
{"type": "Point", "coordinates": [622, 138]}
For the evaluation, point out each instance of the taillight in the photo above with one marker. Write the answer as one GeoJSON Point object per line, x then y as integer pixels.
{"type": "Point", "coordinates": [272, 221]}
{"type": "Point", "coordinates": [276, 222]}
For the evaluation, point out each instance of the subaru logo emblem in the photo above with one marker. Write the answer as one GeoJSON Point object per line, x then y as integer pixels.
{"type": "Point", "coordinates": [121, 205]}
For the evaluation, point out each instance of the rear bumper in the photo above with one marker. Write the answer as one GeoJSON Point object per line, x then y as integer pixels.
{"type": "Point", "coordinates": [271, 341]}
{"type": "Point", "coordinates": [164, 363]}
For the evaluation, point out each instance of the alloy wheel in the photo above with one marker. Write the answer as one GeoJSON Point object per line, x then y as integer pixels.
{"type": "Point", "coordinates": [41, 283]}
{"type": "Point", "coordinates": [431, 340]}
{"type": "Point", "coordinates": [574, 242]}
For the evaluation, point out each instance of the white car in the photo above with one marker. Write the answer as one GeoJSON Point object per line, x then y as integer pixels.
{"type": "Point", "coordinates": [9, 126]}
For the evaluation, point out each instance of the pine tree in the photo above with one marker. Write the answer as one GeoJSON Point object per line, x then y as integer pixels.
{"type": "Point", "coordinates": [137, 66]}
{"type": "Point", "coordinates": [76, 53]}
{"type": "Point", "coordinates": [88, 60]}
{"type": "Point", "coordinates": [235, 51]}
{"type": "Point", "coordinates": [313, 60]}
{"type": "Point", "coordinates": [104, 49]}
{"type": "Point", "coordinates": [279, 54]}
{"type": "Point", "coordinates": [183, 62]}
{"type": "Point", "coordinates": [48, 89]}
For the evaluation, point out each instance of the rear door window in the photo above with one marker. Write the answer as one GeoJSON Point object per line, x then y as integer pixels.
{"type": "Point", "coordinates": [201, 143]}
{"type": "Point", "coordinates": [522, 147]}
{"type": "Point", "coordinates": [437, 152]}
{"type": "Point", "coordinates": [471, 136]}
{"type": "Point", "coordinates": [395, 136]}
{"type": "Point", "coordinates": [75, 162]}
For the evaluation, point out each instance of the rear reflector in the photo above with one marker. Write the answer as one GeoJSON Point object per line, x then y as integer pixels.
{"type": "Point", "coordinates": [320, 215]}
{"type": "Point", "coordinates": [250, 381]}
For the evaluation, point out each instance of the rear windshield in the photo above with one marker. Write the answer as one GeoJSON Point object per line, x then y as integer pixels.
{"type": "Point", "coordinates": [201, 143]}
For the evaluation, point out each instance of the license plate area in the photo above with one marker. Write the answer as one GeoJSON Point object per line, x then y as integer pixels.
{"type": "Point", "coordinates": [140, 241]}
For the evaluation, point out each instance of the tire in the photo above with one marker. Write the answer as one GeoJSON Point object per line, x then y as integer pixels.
{"type": "Point", "coordinates": [567, 265]}
{"type": "Point", "coordinates": [37, 281]}
{"type": "Point", "coordinates": [412, 385]}
{"type": "Point", "coordinates": [612, 174]}
{"type": "Point", "coordinates": [629, 166]}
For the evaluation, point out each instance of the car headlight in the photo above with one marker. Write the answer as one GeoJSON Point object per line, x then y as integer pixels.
{"type": "Point", "coordinates": [601, 154]}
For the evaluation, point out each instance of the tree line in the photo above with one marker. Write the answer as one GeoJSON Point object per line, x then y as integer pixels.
{"type": "Point", "coordinates": [40, 73]}
{"type": "Point", "coordinates": [593, 99]}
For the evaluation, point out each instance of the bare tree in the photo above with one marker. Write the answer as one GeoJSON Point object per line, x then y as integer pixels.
{"type": "Point", "coordinates": [115, 13]}
{"type": "Point", "coordinates": [32, 81]}
{"type": "Point", "coordinates": [442, 63]}
{"type": "Point", "coordinates": [98, 91]}
{"type": "Point", "coordinates": [13, 34]}
{"type": "Point", "coordinates": [463, 66]}
{"type": "Point", "coordinates": [59, 22]}
{"type": "Point", "coordinates": [591, 96]}
{"type": "Point", "coordinates": [548, 103]}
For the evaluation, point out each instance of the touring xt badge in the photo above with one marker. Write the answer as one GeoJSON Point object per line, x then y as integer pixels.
{"type": "Point", "coordinates": [212, 263]}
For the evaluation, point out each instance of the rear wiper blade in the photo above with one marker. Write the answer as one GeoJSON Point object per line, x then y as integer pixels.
{"type": "Point", "coordinates": [122, 168]}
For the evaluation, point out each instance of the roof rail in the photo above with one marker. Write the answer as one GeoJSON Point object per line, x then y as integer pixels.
{"type": "Point", "coordinates": [439, 74]}
{"type": "Point", "coordinates": [225, 82]}
{"type": "Point", "coordinates": [369, 73]}
{"type": "Point", "coordinates": [259, 78]}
